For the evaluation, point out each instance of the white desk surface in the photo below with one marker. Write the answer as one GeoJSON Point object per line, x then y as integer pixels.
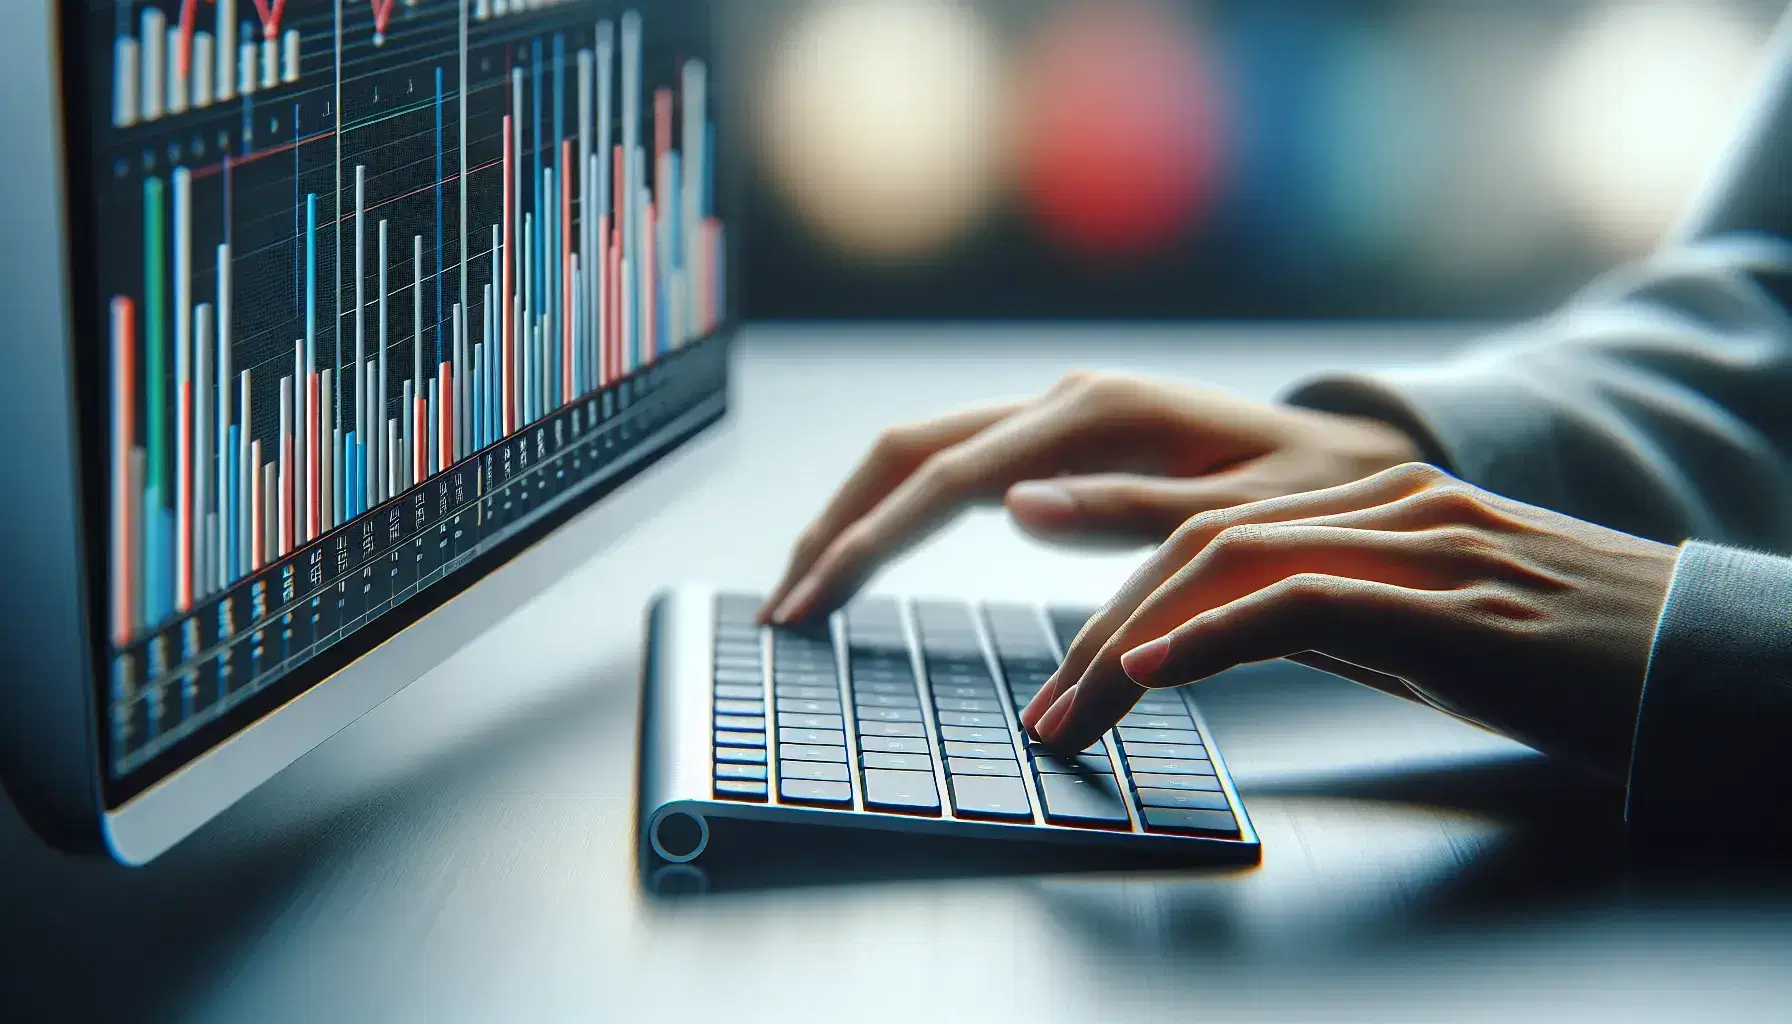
{"type": "Point", "coordinates": [465, 851]}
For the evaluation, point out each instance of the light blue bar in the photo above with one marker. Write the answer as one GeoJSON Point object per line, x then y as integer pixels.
{"type": "Point", "coordinates": [708, 196]}
{"type": "Point", "coordinates": [152, 555]}
{"type": "Point", "coordinates": [550, 226]}
{"type": "Point", "coordinates": [232, 456]}
{"type": "Point", "coordinates": [536, 249]}
{"type": "Point", "coordinates": [338, 462]}
{"type": "Point", "coordinates": [165, 558]}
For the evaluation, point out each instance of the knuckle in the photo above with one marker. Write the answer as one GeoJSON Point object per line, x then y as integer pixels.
{"type": "Point", "coordinates": [1461, 541]}
{"type": "Point", "coordinates": [1456, 502]}
{"type": "Point", "coordinates": [1074, 380]}
{"type": "Point", "coordinates": [1305, 592]}
{"type": "Point", "coordinates": [1242, 540]}
{"type": "Point", "coordinates": [894, 443]}
{"type": "Point", "coordinates": [1418, 472]}
{"type": "Point", "coordinates": [941, 470]}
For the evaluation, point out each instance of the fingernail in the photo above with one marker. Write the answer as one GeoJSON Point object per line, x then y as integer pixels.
{"type": "Point", "coordinates": [1047, 498]}
{"type": "Point", "coordinates": [1049, 725]}
{"type": "Point", "coordinates": [1029, 715]}
{"type": "Point", "coordinates": [797, 604]}
{"type": "Point", "coordinates": [1142, 662]}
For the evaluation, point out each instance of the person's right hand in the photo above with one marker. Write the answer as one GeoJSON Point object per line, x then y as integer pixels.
{"type": "Point", "coordinates": [1098, 456]}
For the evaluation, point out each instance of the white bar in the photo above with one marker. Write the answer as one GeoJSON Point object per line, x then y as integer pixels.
{"type": "Point", "coordinates": [227, 55]}
{"type": "Point", "coordinates": [154, 36]}
{"type": "Point", "coordinates": [631, 135]}
{"type": "Point", "coordinates": [390, 465]}
{"type": "Point", "coordinates": [270, 63]}
{"type": "Point", "coordinates": [245, 468]}
{"type": "Point", "coordinates": [406, 462]}
{"type": "Point", "coordinates": [202, 444]}
{"type": "Point", "coordinates": [371, 445]}
{"type": "Point", "coordinates": [379, 395]}
{"type": "Point", "coordinates": [222, 333]}
{"type": "Point", "coordinates": [245, 67]}
{"type": "Point", "coordinates": [202, 69]}
{"type": "Point", "coordinates": [289, 55]}
{"type": "Point", "coordinates": [178, 89]}
{"type": "Point", "coordinates": [500, 7]}
{"type": "Point", "coordinates": [482, 9]}
{"type": "Point", "coordinates": [361, 395]}
{"type": "Point", "coordinates": [124, 82]}
{"type": "Point", "coordinates": [282, 460]}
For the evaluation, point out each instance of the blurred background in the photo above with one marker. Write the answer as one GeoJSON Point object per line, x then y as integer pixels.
{"type": "Point", "coordinates": [1233, 159]}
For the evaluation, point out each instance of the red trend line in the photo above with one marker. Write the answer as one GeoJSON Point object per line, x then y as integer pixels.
{"type": "Point", "coordinates": [382, 14]}
{"type": "Point", "coordinates": [188, 12]}
{"type": "Point", "coordinates": [270, 16]}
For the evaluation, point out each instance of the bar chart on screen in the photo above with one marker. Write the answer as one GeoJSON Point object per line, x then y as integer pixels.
{"type": "Point", "coordinates": [400, 276]}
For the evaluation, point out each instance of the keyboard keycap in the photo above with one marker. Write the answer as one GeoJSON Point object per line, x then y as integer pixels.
{"type": "Point", "coordinates": [1131, 736]}
{"type": "Point", "coordinates": [894, 688]}
{"type": "Point", "coordinates": [886, 700]}
{"type": "Point", "coordinates": [1163, 819]}
{"type": "Point", "coordinates": [739, 676]}
{"type": "Point", "coordinates": [1081, 763]}
{"type": "Point", "coordinates": [894, 744]}
{"type": "Point", "coordinates": [1168, 766]}
{"type": "Point", "coordinates": [808, 707]}
{"type": "Point", "coordinates": [981, 766]}
{"type": "Point", "coordinates": [805, 791]}
{"type": "Point", "coordinates": [805, 752]}
{"type": "Point", "coordinates": [1179, 750]}
{"type": "Point", "coordinates": [973, 721]}
{"type": "Point", "coordinates": [982, 796]}
{"type": "Point", "coordinates": [817, 770]}
{"type": "Point", "coordinates": [960, 704]}
{"type": "Point", "coordinates": [1139, 721]}
{"type": "Point", "coordinates": [818, 737]}
{"type": "Point", "coordinates": [740, 789]}
{"type": "Point", "coordinates": [890, 728]}
{"type": "Point", "coordinates": [1082, 800]}
{"type": "Point", "coordinates": [967, 735]}
{"type": "Point", "coordinates": [739, 691]}
{"type": "Point", "coordinates": [804, 692]}
{"type": "Point", "coordinates": [896, 762]}
{"type": "Point", "coordinates": [1187, 799]}
{"type": "Point", "coordinates": [740, 707]}
{"type": "Point", "coordinates": [999, 750]}
{"type": "Point", "coordinates": [1200, 782]}
{"type": "Point", "coordinates": [730, 738]}
{"type": "Point", "coordinates": [740, 771]}
{"type": "Point", "coordinates": [908, 792]}
{"type": "Point", "coordinates": [741, 755]}
{"type": "Point", "coordinates": [889, 714]}
{"type": "Point", "coordinates": [1039, 750]}
{"type": "Point", "coordinates": [964, 692]}
{"type": "Point", "coordinates": [811, 721]}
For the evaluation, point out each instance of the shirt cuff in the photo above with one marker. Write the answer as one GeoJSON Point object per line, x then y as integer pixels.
{"type": "Point", "coordinates": [1709, 764]}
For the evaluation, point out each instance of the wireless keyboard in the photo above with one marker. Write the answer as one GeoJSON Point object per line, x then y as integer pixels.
{"type": "Point", "coordinates": [902, 716]}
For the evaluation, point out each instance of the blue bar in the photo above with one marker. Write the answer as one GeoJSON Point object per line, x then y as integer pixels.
{"type": "Point", "coordinates": [152, 554]}
{"type": "Point", "coordinates": [165, 563]}
{"type": "Point", "coordinates": [556, 239]}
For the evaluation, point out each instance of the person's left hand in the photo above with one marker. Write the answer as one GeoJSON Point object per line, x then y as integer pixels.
{"type": "Point", "coordinates": [1525, 621]}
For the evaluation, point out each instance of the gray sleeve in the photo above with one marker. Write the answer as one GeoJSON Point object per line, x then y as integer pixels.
{"type": "Point", "coordinates": [1709, 765]}
{"type": "Point", "coordinates": [1659, 402]}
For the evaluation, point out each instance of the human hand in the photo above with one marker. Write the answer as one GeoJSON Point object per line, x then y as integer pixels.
{"type": "Point", "coordinates": [1099, 455]}
{"type": "Point", "coordinates": [1527, 622]}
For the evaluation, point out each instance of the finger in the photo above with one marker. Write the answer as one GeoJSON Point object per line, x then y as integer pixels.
{"type": "Point", "coordinates": [1028, 443]}
{"type": "Point", "coordinates": [895, 455]}
{"type": "Point", "coordinates": [1242, 561]}
{"type": "Point", "coordinates": [1195, 534]}
{"type": "Point", "coordinates": [1124, 505]}
{"type": "Point", "coordinates": [1363, 622]}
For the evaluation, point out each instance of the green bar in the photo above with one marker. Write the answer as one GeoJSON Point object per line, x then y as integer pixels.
{"type": "Point", "coordinates": [155, 278]}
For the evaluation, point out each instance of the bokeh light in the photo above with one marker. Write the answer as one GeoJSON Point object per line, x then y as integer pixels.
{"type": "Point", "coordinates": [882, 123]}
{"type": "Point", "coordinates": [1634, 109]}
{"type": "Point", "coordinates": [1117, 138]}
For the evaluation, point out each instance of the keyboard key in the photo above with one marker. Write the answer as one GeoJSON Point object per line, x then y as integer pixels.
{"type": "Point", "coordinates": [730, 738]}
{"type": "Point", "coordinates": [974, 721]}
{"type": "Point", "coordinates": [975, 796]}
{"type": "Point", "coordinates": [1194, 750]}
{"type": "Point", "coordinates": [1186, 799]}
{"type": "Point", "coordinates": [818, 737]}
{"type": "Point", "coordinates": [967, 735]}
{"type": "Point", "coordinates": [894, 688]}
{"type": "Point", "coordinates": [812, 721]}
{"type": "Point", "coordinates": [1167, 766]}
{"type": "Point", "coordinates": [886, 700]}
{"type": "Point", "coordinates": [749, 723]}
{"type": "Point", "coordinates": [1079, 763]}
{"type": "Point", "coordinates": [964, 692]}
{"type": "Point", "coordinates": [1131, 735]}
{"type": "Point", "coordinates": [743, 676]}
{"type": "Point", "coordinates": [894, 744]}
{"type": "Point", "coordinates": [1163, 819]}
{"type": "Point", "coordinates": [890, 728]}
{"type": "Point", "coordinates": [1139, 721]}
{"type": "Point", "coordinates": [820, 771]}
{"type": "Point", "coordinates": [740, 789]}
{"type": "Point", "coordinates": [1039, 750]}
{"type": "Point", "coordinates": [999, 750]}
{"type": "Point", "coordinates": [740, 771]}
{"type": "Point", "coordinates": [804, 678]}
{"type": "Point", "coordinates": [909, 792]}
{"type": "Point", "coordinates": [896, 762]}
{"type": "Point", "coordinates": [741, 755]}
{"type": "Point", "coordinates": [889, 714]}
{"type": "Point", "coordinates": [805, 791]}
{"type": "Point", "coordinates": [806, 752]}
{"type": "Point", "coordinates": [982, 766]}
{"type": "Point", "coordinates": [960, 704]}
{"type": "Point", "coordinates": [740, 707]}
{"type": "Point", "coordinates": [793, 691]}
{"type": "Point", "coordinates": [808, 707]}
{"type": "Point", "coordinates": [1082, 800]}
{"type": "Point", "coordinates": [1199, 782]}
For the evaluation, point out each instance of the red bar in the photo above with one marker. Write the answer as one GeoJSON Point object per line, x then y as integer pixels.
{"type": "Point", "coordinates": [313, 521]}
{"type": "Point", "coordinates": [445, 416]}
{"type": "Point", "coordinates": [648, 270]}
{"type": "Point", "coordinates": [124, 420]}
{"type": "Point", "coordinates": [566, 383]}
{"type": "Point", "coordinates": [602, 313]}
{"type": "Point", "coordinates": [257, 511]}
{"type": "Point", "coordinates": [509, 287]}
{"type": "Point", "coordinates": [420, 431]}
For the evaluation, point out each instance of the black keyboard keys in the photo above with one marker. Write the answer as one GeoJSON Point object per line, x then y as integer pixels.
{"type": "Point", "coordinates": [812, 762]}
{"type": "Point", "coordinates": [976, 745]}
{"type": "Point", "coordinates": [990, 796]}
{"type": "Point", "coordinates": [894, 761]}
{"type": "Point", "coordinates": [902, 791]}
{"type": "Point", "coordinates": [1176, 785]}
{"type": "Point", "coordinates": [805, 791]}
{"type": "Point", "coordinates": [1083, 800]}
{"type": "Point", "coordinates": [739, 695]}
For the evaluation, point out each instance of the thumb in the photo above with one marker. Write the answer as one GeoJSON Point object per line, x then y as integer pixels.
{"type": "Point", "coordinates": [1119, 505]}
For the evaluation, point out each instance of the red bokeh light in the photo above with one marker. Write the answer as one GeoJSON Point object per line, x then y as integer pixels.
{"type": "Point", "coordinates": [1118, 141]}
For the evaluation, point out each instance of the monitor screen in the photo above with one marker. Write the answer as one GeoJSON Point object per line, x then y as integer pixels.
{"type": "Point", "coordinates": [377, 292]}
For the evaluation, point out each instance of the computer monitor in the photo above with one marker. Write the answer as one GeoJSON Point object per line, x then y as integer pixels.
{"type": "Point", "coordinates": [320, 312]}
